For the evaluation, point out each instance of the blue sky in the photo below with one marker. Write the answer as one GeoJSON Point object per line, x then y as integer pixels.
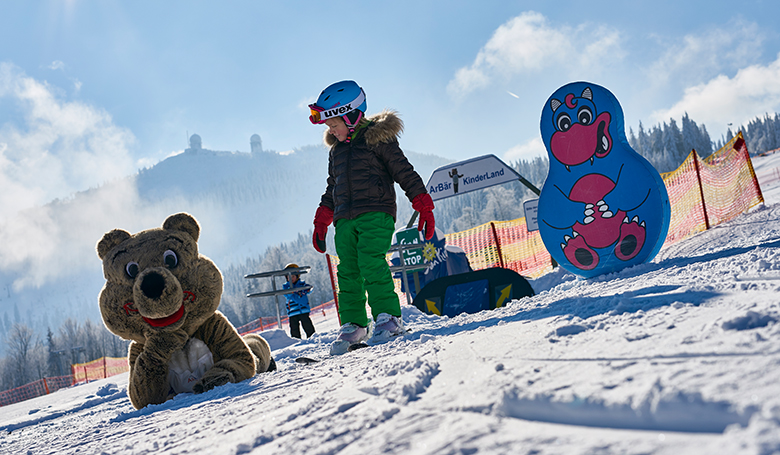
{"type": "Point", "coordinates": [93, 90]}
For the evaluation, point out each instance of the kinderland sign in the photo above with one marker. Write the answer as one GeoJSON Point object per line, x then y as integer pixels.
{"type": "Point", "coordinates": [470, 175]}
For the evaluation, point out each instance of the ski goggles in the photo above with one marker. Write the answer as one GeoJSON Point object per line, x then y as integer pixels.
{"type": "Point", "coordinates": [320, 115]}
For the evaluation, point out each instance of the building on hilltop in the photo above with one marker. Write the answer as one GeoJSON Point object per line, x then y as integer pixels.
{"type": "Point", "coordinates": [196, 144]}
{"type": "Point", "coordinates": [256, 144]}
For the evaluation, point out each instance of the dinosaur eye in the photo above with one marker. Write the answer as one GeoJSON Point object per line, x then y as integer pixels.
{"type": "Point", "coordinates": [170, 259]}
{"type": "Point", "coordinates": [585, 116]}
{"type": "Point", "coordinates": [563, 122]}
{"type": "Point", "coordinates": [132, 269]}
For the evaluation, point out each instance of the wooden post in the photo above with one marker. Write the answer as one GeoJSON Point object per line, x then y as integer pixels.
{"type": "Point", "coordinates": [738, 145]}
{"type": "Point", "coordinates": [498, 245]}
{"type": "Point", "coordinates": [701, 188]}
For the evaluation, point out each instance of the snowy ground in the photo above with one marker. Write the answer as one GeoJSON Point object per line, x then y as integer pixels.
{"type": "Point", "coordinates": [678, 356]}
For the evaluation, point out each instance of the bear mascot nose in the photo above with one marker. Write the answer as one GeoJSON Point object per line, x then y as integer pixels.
{"type": "Point", "coordinates": [153, 285]}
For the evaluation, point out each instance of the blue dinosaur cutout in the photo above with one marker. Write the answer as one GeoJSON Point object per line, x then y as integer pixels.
{"type": "Point", "coordinates": [603, 206]}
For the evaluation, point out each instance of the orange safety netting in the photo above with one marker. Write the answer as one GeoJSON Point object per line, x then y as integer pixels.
{"type": "Point", "coordinates": [35, 389]}
{"type": "Point", "coordinates": [706, 192]}
{"type": "Point", "coordinates": [506, 244]}
{"type": "Point", "coordinates": [98, 369]}
{"type": "Point", "coordinates": [318, 312]}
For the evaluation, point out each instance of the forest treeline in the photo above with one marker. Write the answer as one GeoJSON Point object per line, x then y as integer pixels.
{"type": "Point", "coordinates": [30, 358]}
{"type": "Point", "coordinates": [665, 145]}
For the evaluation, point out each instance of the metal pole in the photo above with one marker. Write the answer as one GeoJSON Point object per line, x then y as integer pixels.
{"type": "Point", "coordinates": [411, 220]}
{"type": "Point", "coordinates": [333, 286]}
{"type": "Point", "coordinates": [401, 248]}
{"type": "Point", "coordinates": [406, 277]}
{"type": "Point", "coordinates": [278, 314]}
{"type": "Point", "coordinates": [529, 185]}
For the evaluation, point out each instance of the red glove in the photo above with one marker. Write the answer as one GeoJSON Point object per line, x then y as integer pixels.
{"type": "Point", "coordinates": [424, 204]}
{"type": "Point", "coordinates": [322, 220]}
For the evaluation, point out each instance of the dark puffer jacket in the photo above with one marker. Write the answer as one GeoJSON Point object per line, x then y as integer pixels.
{"type": "Point", "coordinates": [362, 173]}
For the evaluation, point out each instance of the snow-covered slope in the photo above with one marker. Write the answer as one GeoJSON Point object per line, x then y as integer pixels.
{"type": "Point", "coordinates": [678, 356]}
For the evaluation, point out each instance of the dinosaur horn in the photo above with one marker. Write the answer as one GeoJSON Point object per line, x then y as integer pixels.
{"type": "Point", "coordinates": [587, 93]}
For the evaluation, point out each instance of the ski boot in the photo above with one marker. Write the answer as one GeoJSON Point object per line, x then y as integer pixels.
{"type": "Point", "coordinates": [385, 328]}
{"type": "Point", "coordinates": [349, 335]}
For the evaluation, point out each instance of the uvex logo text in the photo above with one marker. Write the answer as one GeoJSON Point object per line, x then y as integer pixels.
{"type": "Point", "coordinates": [338, 111]}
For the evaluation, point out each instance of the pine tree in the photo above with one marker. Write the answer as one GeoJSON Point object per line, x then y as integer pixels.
{"type": "Point", "coordinates": [673, 142]}
{"type": "Point", "coordinates": [705, 143]}
{"type": "Point", "coordinates": [52, 360]}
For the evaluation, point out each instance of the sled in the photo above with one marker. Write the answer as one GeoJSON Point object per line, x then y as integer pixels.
{"type": "Point", "coordinates": [472, 292]}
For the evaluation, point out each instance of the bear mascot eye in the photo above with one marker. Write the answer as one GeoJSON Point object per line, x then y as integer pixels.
{"type": "Point", "coordinates": [132, 269]}
{"type": "Point", "coordinates": [170, 259]}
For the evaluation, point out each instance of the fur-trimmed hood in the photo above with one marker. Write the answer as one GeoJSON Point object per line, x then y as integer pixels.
{"type": "Point", "coordinates": [385, 126]}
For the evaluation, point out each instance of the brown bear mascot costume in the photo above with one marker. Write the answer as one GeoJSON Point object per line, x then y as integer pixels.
{"type": "Point", "coordinates": [163, 296]}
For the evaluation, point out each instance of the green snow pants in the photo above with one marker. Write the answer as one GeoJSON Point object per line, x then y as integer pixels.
{"type": "Point", "coordinates": [361, 244]}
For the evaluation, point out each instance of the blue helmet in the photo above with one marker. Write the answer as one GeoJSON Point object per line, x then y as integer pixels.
{"type": "Point", "coordinates": [343, 99]}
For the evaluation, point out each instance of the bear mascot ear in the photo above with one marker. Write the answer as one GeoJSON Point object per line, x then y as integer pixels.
{"type": "Point", "coordinates": [110, 240]}
{"type": "Point", "coordinates": [183, 222]}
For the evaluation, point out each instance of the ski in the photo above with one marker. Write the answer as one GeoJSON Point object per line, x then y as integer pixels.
{"type": "Point", "coordinates": [308, 360]}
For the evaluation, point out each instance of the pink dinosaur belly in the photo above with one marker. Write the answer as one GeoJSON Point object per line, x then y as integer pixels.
{"type": "Point", "coordinates": [602, 231]}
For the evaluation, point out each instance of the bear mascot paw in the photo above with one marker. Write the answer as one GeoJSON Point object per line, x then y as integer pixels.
{"type": "Point", "coordinates": [163, 296]}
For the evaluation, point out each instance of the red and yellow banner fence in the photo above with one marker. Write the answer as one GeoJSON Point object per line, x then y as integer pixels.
{"type": "Point", "coordinates": [98, 369]}
{"type": "Point", "coordinates": [81, 372]}
{"type": "Point", "coordinates": [707, 192]}
{"type": "Point", "coordinates": [319, 312]}
{"type": "Point", "coordinates": [35, 389]}
{"type": "Point", "coordinates": [506, 244]}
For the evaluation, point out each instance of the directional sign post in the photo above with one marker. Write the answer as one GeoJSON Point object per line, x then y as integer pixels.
{"type": "Point", "coordinates": [471, 175]}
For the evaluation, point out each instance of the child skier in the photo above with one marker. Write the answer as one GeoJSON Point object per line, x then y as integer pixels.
{"type": "Point", "coordinates": [365, 162]}
{"type": "Point", "coordinates": [298, 305]}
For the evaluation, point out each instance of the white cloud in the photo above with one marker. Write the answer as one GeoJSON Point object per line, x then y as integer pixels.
{"type": "Point", "coordinates": [531, 149]}
{"type": "Point", "coordinates": [56, 150]}
{"type": "Point", "coordinates": [57, 65]}
{"type": "Point", "coordinates": [55, 240]}
{"type": "Point", "coordinates": [56, 147]}
{"type": "Point", "coordinates": [528, 43]}
{"type": "Point", "coordinates": [701, 56]}
{"type": "Point", "coordinates": [753, 91]}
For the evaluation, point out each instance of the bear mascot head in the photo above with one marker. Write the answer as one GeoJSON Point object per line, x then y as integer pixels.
{"type": "Point", "coordinates": [162, 295]}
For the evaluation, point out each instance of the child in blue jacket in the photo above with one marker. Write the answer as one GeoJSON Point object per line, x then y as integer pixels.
{"type": "Point", "coordinates": [298, 305]}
